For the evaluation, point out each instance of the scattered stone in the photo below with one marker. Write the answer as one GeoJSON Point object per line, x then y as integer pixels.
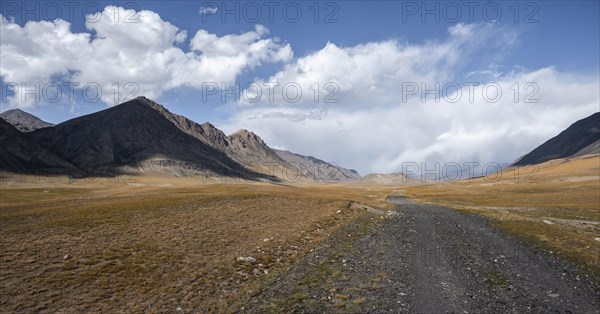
{"type": "Point", "coordinates": [248, 259]}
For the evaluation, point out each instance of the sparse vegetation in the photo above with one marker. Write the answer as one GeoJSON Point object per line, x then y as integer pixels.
{"type": "Point", "coordinates": [495, 279]}
{"type": "Point", "coordinates": [99, 247]}
{"type": "Point", "coordinates": [164, 243]}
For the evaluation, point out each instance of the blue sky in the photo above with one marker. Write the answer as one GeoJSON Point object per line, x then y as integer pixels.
{"type": "Point", "coordinates": [554, 42]}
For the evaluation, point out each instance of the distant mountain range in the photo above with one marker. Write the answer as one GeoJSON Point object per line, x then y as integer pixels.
{"type": "Point", "coordinates": [317, 169]}
{"type": "Point", "coordinates": [143, 136]}
{"type": "Point", "coordinates": [24, 121]}
{"type": "Point", "coordinates": [389, 179]}
{"type": "Point", "coordinates": [581, 138]}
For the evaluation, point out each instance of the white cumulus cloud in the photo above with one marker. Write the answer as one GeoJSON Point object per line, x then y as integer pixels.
{"type": "Point", "coordinates": [147, 52]}
{"type": "Point", "coordinates": [377, 69]}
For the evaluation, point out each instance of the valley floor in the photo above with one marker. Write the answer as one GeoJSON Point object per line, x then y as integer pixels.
{"type": "Point", "coordinates": [175, 245]}
{"type": "Point", "coordinates": [152, 246]}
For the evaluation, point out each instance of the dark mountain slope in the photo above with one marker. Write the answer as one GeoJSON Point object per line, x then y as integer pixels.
{"type": "Point", "coordinates": [132, 134]}
{"type": "Point", "coordinates": [20, 154]}
{"type": "Point", "coordinates": [580, 136]}
{"type": "Point", "coordinates": [243, 146]}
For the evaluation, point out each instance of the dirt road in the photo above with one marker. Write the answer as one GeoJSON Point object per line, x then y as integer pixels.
{"type": "Point", "coordinates": [428, 259]}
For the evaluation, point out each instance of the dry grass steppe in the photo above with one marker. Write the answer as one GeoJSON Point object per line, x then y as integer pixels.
{"type": "Point", "coordinates": [156, 245]}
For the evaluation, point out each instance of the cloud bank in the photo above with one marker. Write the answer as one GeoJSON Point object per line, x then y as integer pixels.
{"type": "Point", "coordinates": [391, 112]}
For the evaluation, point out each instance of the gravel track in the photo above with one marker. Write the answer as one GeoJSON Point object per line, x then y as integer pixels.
{"type": "Point", "coordinates": [428, 259]}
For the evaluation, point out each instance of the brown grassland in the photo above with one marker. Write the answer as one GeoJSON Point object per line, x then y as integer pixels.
{"type": "Point", "coordinates": [154, 247]}
{"type": "Point", "coordinates": [157, 244]}
{"type": "Point", "coordinates": [555, 205]}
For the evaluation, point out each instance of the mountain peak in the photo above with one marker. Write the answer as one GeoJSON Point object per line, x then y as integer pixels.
{"type": "Point", "coordinates": [245, 137]}
{"type": "Point", "coordinates": [141, 134]}
{"type": "Point", "coordinates": [24, 121]}
{"type": "Point", "coordinates": [209, 127]}
{"type": "Point", "coordinates": [147, 101]}
{"type": "Point", "coordinates": [243, 132]}
{"type": "Point", "coordinates": [13, 111]}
